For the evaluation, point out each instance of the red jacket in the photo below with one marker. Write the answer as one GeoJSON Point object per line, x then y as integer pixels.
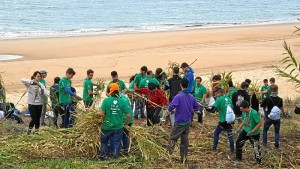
{"type": "Point", "coordinates": [155, 96]}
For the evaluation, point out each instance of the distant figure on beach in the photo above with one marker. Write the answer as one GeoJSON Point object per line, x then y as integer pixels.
{"type": "Point", "coordinates": [45, 102]}
{"type": "Point", "coordinates": [115, 79]}
{"type": "Point", "coordinates": [66, 94]}
{"type": "Point", "coordinates": [88, 90]}
{"type": "Point", "coordinates": [36, 94]}
{"type": "Point", "coordinates": [189, 75]}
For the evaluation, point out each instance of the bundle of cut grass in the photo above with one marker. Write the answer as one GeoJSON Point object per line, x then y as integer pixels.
{"type": "Point", "coordinates": [83, 141]}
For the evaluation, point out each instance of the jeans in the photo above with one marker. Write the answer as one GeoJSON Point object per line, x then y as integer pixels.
{"type": "Point", "coordinates": [139, 108]}
{"type": "Point", "coordinates": [267, 125]}
{"type": "Point", "coordinates": [220, 127]}
{"type": "Point", "coordinates": [183, 133]}
{"type": "Point", "coordinates": [57, 110]}
{"type": "Point", "coordinates": [153, 116]}
{"type": "Point", "coordinates": [253, 140]}
{"type": "Point", "coordinates": [125, 140]}
{"type": "Point", "coordinates": [66, 119]}
{"type": "Point", "coordinates": [115, 136]}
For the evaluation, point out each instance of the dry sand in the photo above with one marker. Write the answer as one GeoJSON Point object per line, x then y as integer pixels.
{"type": "Point", "coordinates": [248, 51]}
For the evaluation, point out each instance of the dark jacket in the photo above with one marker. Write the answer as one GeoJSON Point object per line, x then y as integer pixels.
{"type": "Point", "coordinates": [270, 102]}
{"type": "Point", "coordinates": [174, 85]}
{"type": "Point", "coordinates": [237, 97]}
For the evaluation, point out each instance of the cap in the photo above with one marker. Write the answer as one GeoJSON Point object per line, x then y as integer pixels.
{"type": "Point", "coordinates": [113, 87]}
{"type": "Point", "coordinates": [43, 71]}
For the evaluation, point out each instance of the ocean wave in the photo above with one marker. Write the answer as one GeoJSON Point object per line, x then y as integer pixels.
{"type": "Point", "coordinates": [10, 34]}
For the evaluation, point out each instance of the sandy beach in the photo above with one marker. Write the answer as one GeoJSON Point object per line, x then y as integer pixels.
{"type": "Point", "coordinates": [249, 51]}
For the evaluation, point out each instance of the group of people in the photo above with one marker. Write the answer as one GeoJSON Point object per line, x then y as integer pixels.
{"type": "Point", "coordinates": [147, 98]}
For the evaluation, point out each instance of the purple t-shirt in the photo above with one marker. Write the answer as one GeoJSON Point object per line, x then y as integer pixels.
{"type": "Point", "coordinates": [184, 105]}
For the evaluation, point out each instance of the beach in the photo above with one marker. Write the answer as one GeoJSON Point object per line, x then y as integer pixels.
{"type": "Point", "coordinates": [248, 51]}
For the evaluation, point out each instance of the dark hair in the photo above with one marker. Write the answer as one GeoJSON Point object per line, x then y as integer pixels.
{"type": "Point", "coordinates": [244, 85]}
{"type": "Point", "coordinates": [248, 81]}
{"type": "Point", "coordinates": [149, 72]}
{"type": "Point", "coordinates": [89, 71]}
{"type": "Point", "coordinates": [274, 88]}
{"type": "Point", "coordinates": [144, 68]}
{"type": "Point", "coordinates": [198, 77]}
{"type": "Point", "coordinates": [115, 93]}
{"type": "Point", "coordinates": [217, 77]}
{"type": "Point", "coordinates": [158, 71]}
{"type": "Point", "coordinates": [151, 86]}
{"type": "Point", "coordinates": [230, 83]}
{"type": "Point", "coordinates": [70, 71]}
{"type": "Point", "coordinates": [272, 79]}
{"type": "Point", "coordinates": [132, 78]}
{"type": "Point", "coordinates": [184, 65]}
{"type": "Point", "coordinates": [244, 104]}
{"type": "Point", "coordinates": [34, 74]}
{"type": "Point", "coordinates": [184, 82]}
{"type": "Point", "coordinates": [114, 73]}
{"type": "Point", "coordinates": [56, 80]}
{"type": "Point", "coordinates": [176, 70]}
{"type": "Point", "coordinates": [265, 81]}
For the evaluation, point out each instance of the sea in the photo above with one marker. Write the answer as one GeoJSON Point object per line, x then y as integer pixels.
{"type": "Point", "coordinates": [62, 18]}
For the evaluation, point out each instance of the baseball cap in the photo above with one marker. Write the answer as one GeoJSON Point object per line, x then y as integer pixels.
{"type": "Point", "coordinates": [43, 71]}
{"type": "Point", "coordinates": [113, 87]}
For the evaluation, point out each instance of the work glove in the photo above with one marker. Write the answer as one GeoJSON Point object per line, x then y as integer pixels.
{"type": "Point", "coordinates": [250, 133]}
{"type": "Point", "coordinates": [34, 83]}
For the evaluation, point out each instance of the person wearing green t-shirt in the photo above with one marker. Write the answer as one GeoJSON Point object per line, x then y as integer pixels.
{"type": "Point", "coordinates": [265, 90]}
{"type": "Point", "coordinates": [112, 110]}
{"type": "Point", "coordinates": [232, 89]}
{"type": "Point", "coordinates": [66, 94]}
{"type": "Point", "coordinates": [88, 90]}
{"type": "Point", "coordinates": [251, 131]}
{"type": "Point", "coordinates": [149, 79]}
{"type": "Point", "coordinates": [45, 102]}
{"type": "Point", "coordinates": [199, 92]}
{"type": "Point", "coordinates": [115, 79]}
{"type": "Point", "coordinates": [139, 102]}
{"type": "Point", "coordinates": [221, 105]}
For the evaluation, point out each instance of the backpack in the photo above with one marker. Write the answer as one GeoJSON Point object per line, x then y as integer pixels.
{"type": "Point", "coordinates": [239, 100]}
{"type": "Point", "coordinates": [230, 116]}
{"type": "Point", "coordinates": [275, 112]}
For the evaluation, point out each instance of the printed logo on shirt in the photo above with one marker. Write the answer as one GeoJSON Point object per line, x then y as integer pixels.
{"type": "Point", "coordinates": [115, 101]}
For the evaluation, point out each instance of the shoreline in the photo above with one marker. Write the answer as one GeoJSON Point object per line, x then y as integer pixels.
{"type": "Point", "coordinates": [185, 28]}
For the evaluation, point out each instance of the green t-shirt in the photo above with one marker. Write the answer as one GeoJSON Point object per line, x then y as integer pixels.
{"type": "Point", "coordinates": [199, 91]}
{"type": "Point", "coordinates": [131, 85]}
{"type": "Point", "coordinates": [138, 78]}
{"type": "Point", "coordinates": [115, 108]}
{"type": "Point", "coordinates": [87, 85]}
{"type": "Point", "coordinates": [231, 91]}
{"type": "Point", "coordinates": [144, 83]}
{"type": "Point", "coordinates": [221, 104]}
{"type": "Point", "coordinates": [251, 119]}
{"type": "Point", "coordinates": [263, 88]}
{"type": "Point", "coordinates": [43, 81]}
{"type": "Point", "coordinates": [64, 97]}
{"type": "Point", "coordinates": [120, 83]}
{"type": "Point", "coordinates": [127, 102]}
